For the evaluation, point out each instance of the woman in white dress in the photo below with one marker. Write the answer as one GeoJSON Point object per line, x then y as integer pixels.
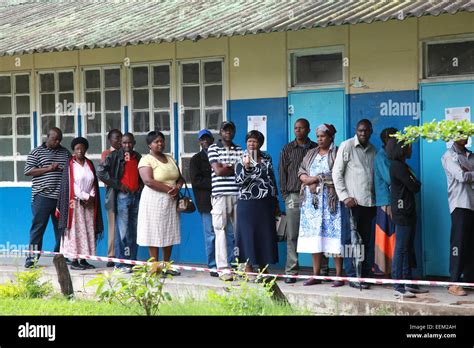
{"type": "Point", "coordinates": [158, 219]}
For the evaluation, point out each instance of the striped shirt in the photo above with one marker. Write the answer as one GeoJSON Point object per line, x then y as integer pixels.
{"type": "Point", "coordinates": [48, 184]}
{"type": "Point", "coordinates": [290, 160]}
{"type": "Point", "coordinates": [217, 153]}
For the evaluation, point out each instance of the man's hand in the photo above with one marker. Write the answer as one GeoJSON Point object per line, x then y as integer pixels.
{"type": "Point", "coordinates": [350, 202]}
{"type": "Point", "coordinates": [389, 211]}
{"type": "Point", "coordinates": [53, 167]}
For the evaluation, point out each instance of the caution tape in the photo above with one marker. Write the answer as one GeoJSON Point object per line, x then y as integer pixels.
{"type": "Point", "coordinates": [378, 281]}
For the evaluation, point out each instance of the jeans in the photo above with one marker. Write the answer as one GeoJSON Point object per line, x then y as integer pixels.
{"type": "Point", "coordinates": [364, 217]}
{"type": "Point", "coordinates": [42, 208]}
{"type": "Point", "coordinates": [210, 239]}
{"type": "Point", "coordinates": [401, 258]}
{"type": "Point", "coordinates": [126, 219]}
{"type": "Point", "coordinates": [461, 258]}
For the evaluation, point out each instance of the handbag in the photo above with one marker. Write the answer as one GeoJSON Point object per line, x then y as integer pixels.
{"type": "Point", "coordinates": [281, 227]}
{"type": "Point", "coordinates": [185, 203]}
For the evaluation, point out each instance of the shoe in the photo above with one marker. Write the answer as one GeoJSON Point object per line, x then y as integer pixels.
{"type": "Point", "coordinates": [290, 280]}
{"type": "Point", "coordinates": [29, 263]}
{"type": "Point", "coordinates": [226, 277]}
{"type": "Point", "coordinates": [456, 290]}
{"type": "Point", "coordinates": [402, 293]}
{"type": "Point", "coordinates": [86, 264]}
{"type": "Point", "coordinates": [77, 266]}
{"type": "Point", "coordinates": [123, 269]}
{"type": "Point", "coordinates": [110, 264]}
{"type": "Point", "coordinates": [337, 283]}
{"type": "Point", "coordinates": [358, 285]}
{"type": "Point", "coordinates": [68, 261]}
{"type": "Point", "coordinates": [415, 289]}
{"type": "Point", "coordinates": [311, 281]}
{"type": "Point", "coordinates": [214, 274]}
{"type": "Point", "coordinates": [172, 272]}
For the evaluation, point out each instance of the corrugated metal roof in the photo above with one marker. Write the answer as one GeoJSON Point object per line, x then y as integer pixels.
{"type": "Point", "coordinates": [45, 26]}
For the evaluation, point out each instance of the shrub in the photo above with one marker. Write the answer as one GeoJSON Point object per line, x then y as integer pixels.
{"type": "Point", "coordinates": [27, 284]}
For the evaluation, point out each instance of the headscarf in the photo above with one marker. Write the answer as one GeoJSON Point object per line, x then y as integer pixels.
{"type": "Point", "coordinates": [327, 128]}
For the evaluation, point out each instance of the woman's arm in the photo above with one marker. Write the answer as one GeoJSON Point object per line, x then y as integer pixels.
{"type": "Point", "coordinates": [308, 180]}
{"type": "Point", "coordinates": [146, 173]}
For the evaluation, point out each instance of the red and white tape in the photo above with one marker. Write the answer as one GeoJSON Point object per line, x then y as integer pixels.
{"type": "Point", "coordinates": [378, 281]}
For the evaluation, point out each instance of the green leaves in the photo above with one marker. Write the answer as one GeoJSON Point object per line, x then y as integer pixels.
{"type": "Point", "coordinates": [27, 284]}
{"type": "Point", "coordinates": [445, 130]}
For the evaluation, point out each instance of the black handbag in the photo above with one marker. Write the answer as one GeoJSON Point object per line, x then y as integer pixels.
{"type": "Point", "coordinates": [185, 203]}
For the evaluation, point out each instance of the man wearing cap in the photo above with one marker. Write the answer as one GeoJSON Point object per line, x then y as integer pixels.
{"type": "Point", "coordinates": [200, 172]}
{"type": "Point", "coordinates": [222, 157]}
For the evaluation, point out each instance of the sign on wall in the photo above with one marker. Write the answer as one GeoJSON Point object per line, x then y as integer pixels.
{"type": "Point", "coordinates": [258, 123]}
{"type": "Point", "coordinates": [458, 114]}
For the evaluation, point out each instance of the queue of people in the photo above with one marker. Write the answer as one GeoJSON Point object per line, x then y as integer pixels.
{"type": "Point", "coordinates": [326, 190]}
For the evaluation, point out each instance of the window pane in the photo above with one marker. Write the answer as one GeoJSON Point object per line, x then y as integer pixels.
{"type": "Point", "coordinates": [191, 96]}
{"type": "Point", "coordinates": [213, 119]}
{"type": "Point", "coordinates": [6, 171]}
{"type": "Point", "coordinates": [92, 78]}
{"type": "Point", "coordinates": [319, 68]}
{"type": "Point", "coordinates": [23, 105]}
{"type": "Point", "coordinates": [112, 121]}
{"type": "Point", "coordinates": [191, 73]}
{"type": "Point", "coordinates": [5, 85]}
{"type": "Point", "coordinates": [192, 120]}
{"type": "Point", "coordinates": [20, 168]}
{"type": "Point", "coordinates": [23, 146]}
{"type": "Point", "coordinates": [161, 98]}
{"type": "Point", "coordinates": [112, 78]}
{"type": "Point", "coordinates": [66, 124]}
{"type": "Point", "coordinates": [67, 98]}
{"type": "Point", "coordinates": [141, 122]}
{"type": "Point", "coordinates": [23, 125]}
{"type": "Point", "coordinates": [48, 104]}
{"type": "Point", "coordinates": [6, 126]}
{"type": "Point", "coordinates": [67, 142]}
{"type": "Point", "coordinates": [66, 81]}
{"type": "Point", "coordinates": [6, 148]}
{"type": "Point", "coordinates": [112, 100]}
{"type": "Point", "coordinates": [95, 144]}
{"type": "Point", "coordinates": [140, 99]}
{"type": "Point", "coordinates": [162, 121]}
{"type": "Point", "coordinates": [140, 76]}
{"type": "Point", "coordinates": [213, 95]}
{"type": "Point", "coordinates": [94, 99]}
{"type": "Point", "coordinates": [185, 161]}
{"type": "Point", "coordinates": [213, 72]}
{"type": "Point", "coordinates": [47, 82]}
{"type": "Point", "coordinates": [47, 122]}
{"type": "Point", "coordinates": [161, 75]}
{"type": "Point", "coordinates": [141, 146]}
{"type": "Point", "coordinates": [456, 58]}
{"type": "Point", "coordinates": [22, 83]}
{"type": "Point", "coordinates": [191, 144]}
{"type": "Point", "coordinates": [93, 124]}
{"type": "Point", "coordinates": [5, 106]}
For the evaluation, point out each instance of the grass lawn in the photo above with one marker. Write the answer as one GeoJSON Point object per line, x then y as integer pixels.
{"type": "Point", "coordinates": [60, 306]}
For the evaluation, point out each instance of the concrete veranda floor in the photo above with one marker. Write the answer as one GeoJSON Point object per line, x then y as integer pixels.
{"type": "Point", "coordinates": [320, 299]}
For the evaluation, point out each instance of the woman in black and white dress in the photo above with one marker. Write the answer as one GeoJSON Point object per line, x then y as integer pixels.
{"type": "Point", "coordinates": [257, 206]}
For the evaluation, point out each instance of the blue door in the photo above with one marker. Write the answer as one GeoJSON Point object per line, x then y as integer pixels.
{"type": "Point", "coordinates": [321, 106]}
{"type": "Point", "coordinates": [435, 213]}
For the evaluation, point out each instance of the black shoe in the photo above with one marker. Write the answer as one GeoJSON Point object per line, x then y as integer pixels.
{"type": "Point", "coordinates": [77, 266]}
{"type": "Point", "coordinates": [358, 285]}
{"type": "Point", "coordinates": [173, 272]}
{"type": "Point", "coordinates": [110, 264]}
{"type": "Point", "coordinates": [29, 263]}
{"type": "Point", "coordinates": [68, 262]}
{"type": "Point", "coordinates": [86, 264]}
{"type": "Point", "coordinates": [214, 274]}
{"type": "Point", "coordinates": [290, 280]}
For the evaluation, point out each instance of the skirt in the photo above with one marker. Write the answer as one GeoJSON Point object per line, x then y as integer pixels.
{"type": "Point", "coordinates": [256, 237]}
{"type": "Point", "coordinates": [384, 242]}
{"type": "Point", "coordinates": [158, 220]}
{"type": "Point", "coordinates": [80, 238]}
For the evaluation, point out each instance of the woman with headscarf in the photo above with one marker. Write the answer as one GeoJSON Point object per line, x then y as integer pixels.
{"type": "Point", "coordinates": [257, 206]}
{"type": "Point", "coordinates": [321, 218]}
{"type": "Point", "coordinates": [78, 209]}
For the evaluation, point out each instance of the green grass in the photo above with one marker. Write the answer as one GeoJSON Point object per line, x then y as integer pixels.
{"type": "Point", "coordinates": [59, 306]}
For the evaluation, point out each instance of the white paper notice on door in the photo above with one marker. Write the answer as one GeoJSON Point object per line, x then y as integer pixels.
{"type": "Point", "coordinates": [458, 114]}
{"type": "Point", "coordinates": [258, 123]}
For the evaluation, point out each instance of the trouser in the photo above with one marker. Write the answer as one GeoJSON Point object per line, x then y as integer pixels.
{"type": "Point", "coordinates": [126, 219]}
{"type": "Point", "coordinates": [461, 258]}
{"type": "Point", "coordinates": [293, 211]}
{"type": "Point", "coordinates": [42, 209]}
{"type": "Point", "coordinates": [401, 257]}
{"type": "Point", "coordinates": [111, 233]}
{"type": "Point", "coordinates": [224, 211]}
{"type": "Point", "coordinates": [364, 218]}
{"type": "Point", "coordinates": [210, 240]}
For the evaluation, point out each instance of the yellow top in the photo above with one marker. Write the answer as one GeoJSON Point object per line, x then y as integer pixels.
{"type": "Point", "coordinates": [166, 173]}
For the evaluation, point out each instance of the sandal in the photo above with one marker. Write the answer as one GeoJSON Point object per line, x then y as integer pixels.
{"type": "Point", "coordinates": [86, 264]}
{"type": "Point", "coordinates": [337, 283]}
